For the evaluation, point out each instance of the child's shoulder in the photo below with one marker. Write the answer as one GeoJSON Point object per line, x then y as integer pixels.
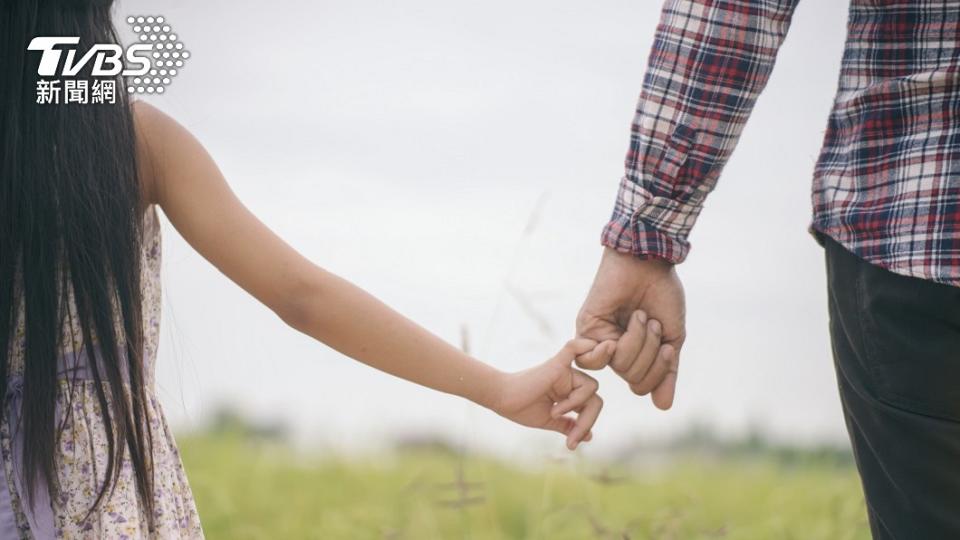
{"type": "Point", "coordinates": [162, 143]}
{"type": "Point", "coordinates": [155, 128]}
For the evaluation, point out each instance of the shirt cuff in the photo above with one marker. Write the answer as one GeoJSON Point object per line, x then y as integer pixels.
{"type": "Point", "coordinates": [648, 226]}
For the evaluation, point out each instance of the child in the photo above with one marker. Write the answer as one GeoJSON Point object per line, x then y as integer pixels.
{"type": "Point", "coordinates": [86, 452]}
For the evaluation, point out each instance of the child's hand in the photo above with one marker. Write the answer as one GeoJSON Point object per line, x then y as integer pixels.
{"type": "Point", "coordinates": [542, 396]}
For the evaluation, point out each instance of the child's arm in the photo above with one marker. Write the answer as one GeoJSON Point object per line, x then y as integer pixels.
{"type": "Point", "coordinates": [181, 177]}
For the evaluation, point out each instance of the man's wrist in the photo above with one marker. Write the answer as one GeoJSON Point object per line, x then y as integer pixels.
{"type": "Point", "coordinates": [656, 229]}
{"type": "Point", "coordinates": [644, 262]}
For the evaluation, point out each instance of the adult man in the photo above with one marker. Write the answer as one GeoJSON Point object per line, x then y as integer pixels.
{"type": "Point", "coordinates": [886, 206]}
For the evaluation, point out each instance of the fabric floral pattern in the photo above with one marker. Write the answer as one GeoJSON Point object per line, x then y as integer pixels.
{"type": "Point", "coordinates": [82, 448]}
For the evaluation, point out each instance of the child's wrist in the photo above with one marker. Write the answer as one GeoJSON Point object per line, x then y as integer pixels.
{"type": "Point", "coordinates": [484, 389]}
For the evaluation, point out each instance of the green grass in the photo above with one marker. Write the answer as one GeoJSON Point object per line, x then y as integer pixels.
{"type": "Point", "coordinates": [248, 489]}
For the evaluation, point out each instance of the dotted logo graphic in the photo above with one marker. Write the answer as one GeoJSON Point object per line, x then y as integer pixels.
{"type": "Point", "coordinates": [167, 56]}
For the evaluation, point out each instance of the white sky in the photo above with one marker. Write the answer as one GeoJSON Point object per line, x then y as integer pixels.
{"type": "Point", "coordinates": [405, 145]}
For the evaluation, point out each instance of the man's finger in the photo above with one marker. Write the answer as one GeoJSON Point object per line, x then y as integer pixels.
{"type": "Point", "coordinates": [630, 343]}
{"type": "Point", "coordinates": [599, 357]}
{"type": "Point", "coordinates": [658, 371]}
{"type": "Point", "coordinates": [648, 355]}
{"type": "Point", "coordinates": [663, 394]}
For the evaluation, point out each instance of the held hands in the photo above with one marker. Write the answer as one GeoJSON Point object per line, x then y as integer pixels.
{"type": "Point", "coordinates": [632, 320]}
{"type": "Point", "coordinates": [557, 397]}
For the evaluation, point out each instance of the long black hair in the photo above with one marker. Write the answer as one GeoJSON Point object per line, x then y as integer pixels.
{"type": "Point", "coordinates": [71, 217]}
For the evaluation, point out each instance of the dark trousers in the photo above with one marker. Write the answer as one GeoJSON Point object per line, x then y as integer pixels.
{"type": "Point", "coordinates": [896, 345]}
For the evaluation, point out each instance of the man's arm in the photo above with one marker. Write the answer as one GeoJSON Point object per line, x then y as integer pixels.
{"type": "Point", "coordinates": [710, 61]}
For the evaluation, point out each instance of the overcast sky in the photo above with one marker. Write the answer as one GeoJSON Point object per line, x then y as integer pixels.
{"type": "Point", "coordinates": [407, 145]}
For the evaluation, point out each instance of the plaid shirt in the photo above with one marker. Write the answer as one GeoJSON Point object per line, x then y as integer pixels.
{"type": "Point", "coordinates": [887, 182]}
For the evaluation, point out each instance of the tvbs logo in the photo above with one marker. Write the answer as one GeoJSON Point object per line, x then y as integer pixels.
{"type": "Point", "coordinates": [106, 58]}
{"type": "Point", "coordinates": [147, 66]}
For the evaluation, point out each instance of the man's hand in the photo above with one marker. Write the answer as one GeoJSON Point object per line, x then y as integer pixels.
{"type": "Point", "coordinates": [623, 285]}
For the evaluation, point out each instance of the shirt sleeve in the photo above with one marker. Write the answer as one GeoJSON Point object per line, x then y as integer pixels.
{"type": "Point", "coordinates": [710, 60]}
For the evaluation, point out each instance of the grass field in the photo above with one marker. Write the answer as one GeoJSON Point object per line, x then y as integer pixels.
{"type": "Point", "coordinates": [249, 488]}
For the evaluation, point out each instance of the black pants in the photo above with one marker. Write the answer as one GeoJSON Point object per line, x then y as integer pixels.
{"type": "Point", "coordinates": [896, 344]}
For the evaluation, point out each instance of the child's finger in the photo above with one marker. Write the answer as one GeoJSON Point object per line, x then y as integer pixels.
{"type": "Point", "coordinates": [629, 344]}
{"type": "Point", "coordinates": [584, 386]}
{"type": "Point", "coordinates": [574, 348]}
{"type": "Point", "coordinates": [598, 357]}
{"type": "Point", "coordinates": [562, 386]}
{"type": "Point", "coordinates": [656, 374]}
{"type": "Point", "coordinates": [585, 421]}
{"type": "Point", "coordinates": [563, 425]}
{"type": "Point", "coordinates": [647, 355]}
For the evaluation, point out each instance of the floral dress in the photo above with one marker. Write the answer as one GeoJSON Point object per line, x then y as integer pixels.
{"type": "Point", "coordinates": [82, 448]}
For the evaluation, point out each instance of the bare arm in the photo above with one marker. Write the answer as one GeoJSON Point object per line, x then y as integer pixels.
{"type": "Point", "coordinates": [183, 179]}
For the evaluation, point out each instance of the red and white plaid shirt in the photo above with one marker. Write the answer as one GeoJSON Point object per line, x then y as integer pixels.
{"type": "Point", "coordinates": [887, 183]}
